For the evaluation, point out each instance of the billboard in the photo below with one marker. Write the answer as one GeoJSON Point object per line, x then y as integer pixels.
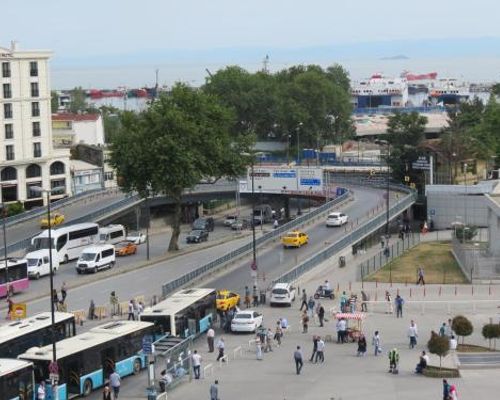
{"type": "Point", "coordinates": [276, 179]}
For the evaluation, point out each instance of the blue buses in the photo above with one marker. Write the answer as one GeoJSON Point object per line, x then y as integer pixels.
{"type": "Point", "coordinates": [16, 380]}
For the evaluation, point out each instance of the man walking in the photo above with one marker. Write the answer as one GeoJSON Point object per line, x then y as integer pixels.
{"type": "Point", "coordinates": [446, 390]}
{"type": "Point", "coordinates": [214, 390]}
{"type": "Point", "coordinates": [321, 314]}
{"type": "Point", "coordinates": [297, 356]}
{"type": "Point", "coordinates": [131, 308]}
{"type": "Point", "coordinates": [221, 346]}
{"type": "Point", "coordinates": [376, 343]}
{"type": "Point", "coordinates": [413, 334]}
{"type": "Point", "coordinates": [320, 351]}
{"type": "Point", "coordinates": [115, 382]}
{"type": "Point", "coordinates": [196, 358]}
{"type": "Point", "coordinates": [315, 347]}
{"type": "Point", "coordinates": [304, 300]}
{"type": "Point", "coordinates": [420, 276]}
{"type": "Point", "coordinates": [310, 307]}
{"type": "Point", "coordinates": [399, 306]}
{"type": "Point", "coordinates": [210, 339]}
{"type": "Point", "coordinates": [305, 321]}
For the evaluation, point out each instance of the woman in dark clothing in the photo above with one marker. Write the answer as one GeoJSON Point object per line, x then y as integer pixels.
{"type": "Point", "coordinates": [361, 345]}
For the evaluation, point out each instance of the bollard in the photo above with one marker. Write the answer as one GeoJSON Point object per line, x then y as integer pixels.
{"type": "Point", "coordinates": [410, 292]}
{"type": "Point", "coordinates": [424, 291]}
{"type": "Point", "coordinates": [406, 282]}
{"type": "Point", "coordinates": [472, 289]}
{"type": "Point", "coordinates": [376, 295]}
{"type": "Point", "coordinates": [338, 287]}
{"type": "Point", "coordinates": [376, 283]}
{"type": "Point", "coordinates": [439, 290]}
{"type": "Point", "coordinates": [455, 290]}
{"type": "Point", "coordinates": [349, 286]}
{"type": "Point", "coordinates": [489, 289]}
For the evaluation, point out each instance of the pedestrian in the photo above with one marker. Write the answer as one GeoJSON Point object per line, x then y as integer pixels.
{"type": "Point", "coordinates": [210, 339]}
{"type": "Point", "coordinates": [40, 394]}
{"type": "Point", "coordinates": [453, 343]}
{"type": "Point", "coordinates": [422, 363]}
{"type": "Point", "coordinates": [297, 356]}
{"type": "Point", "coordinates": [55, 298]}
{"type": "Point", "coordinates": [214, 390]}
{"type": "Point", "coordinates": [446, 390]}
{"type": "Point", "coordinates": [388, 299]}
{"type": "Point", "coordinates": [131, 307]}
{"type": "Point", "coordinates": [310, 307]}
{"type": "Point", "coordinates": [449, 328]}
{"type": "Point", "coordinates": [221, 346]}
{"type": "Point", "coordinates": [453, 392]}
{"type": "Point", "coordinates": [106, 393]}
{"type": "Point", "coordinates": [255, 296]}
{"type": "Point", "coordinates": [115, 382]}
{"type": "Point", "coordinates": [92, 314]}
{"type": "Point", "coordinates": [364, 299]}
{"type": "Point", "coordinates": [321, 314]}
{"type": "Point", "coordinates": [305, 321]}
{"type": "Point", "coordinates": [278, 333]}
{"type": "Point", "coordinates": [10, 308]}
{"type": "Point", "coordinates": [196, 359]}
{"type": "Point", "coordinates": [442, 330]}
{"type": "Point", "coordinates": [320, 350]}
{"type": "Point", "coordinates": [269, 341]}
{"type": "Point", "coordinates": [247, 297]}
{"type": "Point", "coordinates": [315, 347]}
{"type": "Point", "coordinates": [258, 348]}
{"type": "Point", "coordinates": [304, 300]}
{"type": "Point", "coordinates": [376, 343]}
{"type": "Point", "coordinates": [420, 276]}
{"type": "Point", "coordinates": [341, 330]}
{"type": "Point", "coordinates": [399, 306]}
{"type": "Point", "coordinates": [393, 361]}
{"type": "Point", "coordinates": [275, 224]}
{"type": "Point", "coordinates": [413, 334]}
{"type": "Point", "coordinates": [352, 303]}
{"type": "Point", "coordinates": [113, 300]}
{"type": "Point", "coordinates": [137, 311]}
{"type": "Point", "coordinates": [284, 323]}
{"type": "Point", "coordinates": [343, 302]}
{"type": "Point", "coordinates": [361, 345]}
{"type": "Point", "coordinates": [64, 292]}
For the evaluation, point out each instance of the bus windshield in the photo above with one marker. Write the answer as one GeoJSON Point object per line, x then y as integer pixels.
{"type": "Point", "coordinates": [40, 243]}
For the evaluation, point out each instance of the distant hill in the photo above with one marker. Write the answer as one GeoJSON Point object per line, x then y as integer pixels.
{"type": "Point", "coordinates": [397, 57]}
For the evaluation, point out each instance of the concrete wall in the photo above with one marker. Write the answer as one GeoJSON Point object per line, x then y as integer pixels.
{"type": "Point", "coordinates": [446, 208]}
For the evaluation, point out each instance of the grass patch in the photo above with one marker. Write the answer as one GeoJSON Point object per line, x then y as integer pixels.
{"type": "Point", "coordinates": [473, 348]}
{"type": "Point", "coordinates": [439, 266]}
{"type": "Point", "coordinates": [436, 372]}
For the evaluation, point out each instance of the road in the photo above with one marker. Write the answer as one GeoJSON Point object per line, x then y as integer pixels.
{"type": "Point", "coordinates": [148, 281]}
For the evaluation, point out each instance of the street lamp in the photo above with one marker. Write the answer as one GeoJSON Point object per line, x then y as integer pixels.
{"type": "Point", "coordinates": [299, 126]}
{"type": "Point", "coordinates": [465, 197]}
{"type": "Point", "coordinates": [48, 192]}
{"type": "Point", "coordinates": [310, 195]}
{"type": "Point", "coordinates": [253, 266]}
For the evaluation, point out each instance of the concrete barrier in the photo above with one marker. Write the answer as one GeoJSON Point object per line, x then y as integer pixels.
{"type": "Point", "coordinates": [80, 316]}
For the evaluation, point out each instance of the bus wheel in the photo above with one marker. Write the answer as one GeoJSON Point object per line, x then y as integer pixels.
{"type": "Point", "coordinates": [87, 387]}
{"type": "Point", "coordinates": [137, 366]}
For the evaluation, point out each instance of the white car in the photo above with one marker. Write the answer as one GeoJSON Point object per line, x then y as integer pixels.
{"type": "Point", "coordinates": [136, 237]}
{"type": "Point", "coordinates": [230, 220]}
{"type": "Point", "coordinates": [336, 219]}
{"type": "Point", "coordinates": [246, 321]}
{"type": "Point", "coordinates": [282, 293]}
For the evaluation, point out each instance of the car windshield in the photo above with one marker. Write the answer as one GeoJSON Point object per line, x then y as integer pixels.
{"type": "Point", "coordinates": [221, 296]}
{"type": "Point", "coordinates": [87, 257]}
{"type": "Point", "coordinates": [333, 216]}
{"type": "Point", "coordinates": [42, 243]}
{"type": "Point", "coordinates": [196, 232]}
{"type": "Point", "coordinates": [121, 245]}
{"type": "Point", "coordinates": [280, 291]}
{"type": "Point", "coordinates": [243, 316]}
{"type": "Point", "coordinates": [32, 262]}
{"type": "Point", "coordinates": [199, 224]}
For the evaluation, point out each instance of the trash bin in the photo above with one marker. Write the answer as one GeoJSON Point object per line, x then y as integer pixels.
{"type": "Point", "coordinates": [262, 297]}
{"type": "Point", "coordinates": [151, 392]}
{"type": "Point", "coordinates": [341, 261]}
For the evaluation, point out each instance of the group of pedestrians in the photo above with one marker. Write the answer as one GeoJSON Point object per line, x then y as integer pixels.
{"type": "Point", "coordinates": [398, 302]}
{"type": "Point", "coordinates": [60, 302]}
{"type": "Point", "coordinates": [135, 309]}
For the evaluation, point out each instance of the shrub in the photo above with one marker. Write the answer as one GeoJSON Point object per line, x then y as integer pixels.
{"type": "Point", "coordinates": [14, 209]}
{"type": "Point", "coordinates": [491, 331]}
{"type": "Point", "coordinates": [465, 232]}
{"type": "Point", "coordinates": [439, 345]}
{"type": "Point", "coordinates": [462, 326]}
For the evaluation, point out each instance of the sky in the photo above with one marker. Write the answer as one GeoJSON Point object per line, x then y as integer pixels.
{"type": "Point", "coordinates": [193, 34]}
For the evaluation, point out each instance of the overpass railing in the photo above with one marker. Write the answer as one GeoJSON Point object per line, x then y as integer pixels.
{"type": "Point", "coordinates": [351, 238]}
{"type": "Point", "coordinates": [171, 286]}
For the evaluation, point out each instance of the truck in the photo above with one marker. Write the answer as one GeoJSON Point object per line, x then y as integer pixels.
{"type": "Point", "coordinates": [262, 214]}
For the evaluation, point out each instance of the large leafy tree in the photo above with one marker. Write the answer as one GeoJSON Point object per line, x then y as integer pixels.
{"type": "Point", "coordinates": [78, 101]}
{"type": "Point", "coordinates": [182, 138]}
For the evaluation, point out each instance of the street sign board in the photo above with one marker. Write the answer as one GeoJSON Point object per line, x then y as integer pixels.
{"type": "Point", "coordinates": [421, 163]}
{"type": "Point", "coordinates": [147, 344]}
{"type": "Point", "coordinates": [432, 211]}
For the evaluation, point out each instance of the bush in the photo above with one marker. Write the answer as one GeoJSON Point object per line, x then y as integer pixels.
{"type": "Point", "coordinates": [462, 326]}
{"type": "Point", "coordinates": [439, 345]}
{"type": "Point", "coordinates": [14, 209]}
{"type": "Point", "coordinates": [491, 331]}
{"type": "Point", "coordinates": [465, 232]}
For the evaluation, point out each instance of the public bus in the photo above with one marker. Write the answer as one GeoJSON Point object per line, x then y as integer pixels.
{"type": "Point", "coordinates": [16, 380]}
{"type": "Point", "coordinates": [16, 272]}
{"type": "Point", "coordinates": [85, 361]}
{"type": "Point", "coordinates": [185, 313]}
{"type": "Point", "coordinates": [18, 336]}
{"type": "Point", "coordinates": [69, 241]}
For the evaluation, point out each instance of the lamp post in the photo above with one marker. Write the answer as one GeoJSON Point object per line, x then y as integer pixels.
{"type": "Point", "coordinates": [253, 266]}
{"type": "Point", "coordinates": [4, 213]}
{"type": "Point", "coordinates": [299, 126]}
{"type": "Point", "coordinates": [310, 195]}
{"type": "Point", "coordinates": [53, 367]}
{"type": "Point", "coordinates": [465, 197]}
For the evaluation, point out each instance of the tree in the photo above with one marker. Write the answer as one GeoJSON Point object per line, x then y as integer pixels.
{"type": "Point", "coordinates": [462, 326]}
{"type": "Point", "coordinates": [78, 103]}
{"type": "Point", "coordinates": [439, 345]}
{"type": "Point", "coordinates": [182, 138]}
{"type": "Point", "coordinates": [54, 101]}
{"type": "Point", "coordinates": [491, 331]}
{"type": "Point", "coordinates": [111, 121]}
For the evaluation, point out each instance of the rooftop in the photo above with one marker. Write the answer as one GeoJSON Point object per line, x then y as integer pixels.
{"type": "Point", "coordinates": [75, 117]}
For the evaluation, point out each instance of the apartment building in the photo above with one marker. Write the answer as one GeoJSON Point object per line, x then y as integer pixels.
{"type": "Point", "coordinates": [27, 155]}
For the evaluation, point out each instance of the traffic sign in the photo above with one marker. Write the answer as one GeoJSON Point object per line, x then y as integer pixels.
{"type": "Point", "coordinates": [253, 266]}
{"type": "Point", "coordinates": [19, 311]}
{"type": "Point", "coordinates": [421, 163]}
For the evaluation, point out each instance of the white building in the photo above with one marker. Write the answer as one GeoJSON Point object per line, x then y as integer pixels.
{"type": "Point", "coordinates": [86, 176]}
{"type": "Point", "coordinates": [27, 156]}
{"type": "Point", "coordinates": [71, 129]}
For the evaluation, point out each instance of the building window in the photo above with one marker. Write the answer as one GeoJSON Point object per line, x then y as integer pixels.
{"type": "Point", "coordinates": [36, 129]}
{"type": "Point", "coordinates": [109, 176]}
{"type": "Point", "coordinates": [8, 174]}
{"type": "Point", "coordinates": [7, 111]}
{"type": "Point", "coordinates": [9, 152]}
{"type": "Point", "coordinates": [30, 193]}
{"type": "Point", "coordinates": [37, 149]}
{"type": "Point", "coordinates": [33, 68]}
{"type": "Point", "coordinates": [33, 171]}
{"type": "Point", "coordinates": [7, 92]}
{"type": "Point", "coordinates": [58, 183]}
{"type": "Point", "coordinates": [57, 168]}
{"type": "Point", "coordinates": [34, 89]}
{"type": "Point", "coordinates": [9, 131]}
{"type": "Point", "coordinates": [5, 70]}
{"type": "Point", "coordinates": [35, 109]}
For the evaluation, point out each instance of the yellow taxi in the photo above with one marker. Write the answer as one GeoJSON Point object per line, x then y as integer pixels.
{"type": "Point", "coordinates": [55, 219]}
{"type": "Point", "coordinates": [226, 300]}
{"type": "Point", "coordinates": [294, 239]}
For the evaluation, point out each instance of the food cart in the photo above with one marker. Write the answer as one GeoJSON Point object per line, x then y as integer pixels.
{"type": "Point", "coordinates": [353, 333]}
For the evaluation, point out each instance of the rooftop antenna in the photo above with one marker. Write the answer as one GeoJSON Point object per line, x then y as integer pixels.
{"type": "Point", "coordinates": [265, 64]}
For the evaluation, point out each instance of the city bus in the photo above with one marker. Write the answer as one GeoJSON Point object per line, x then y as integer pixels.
{"type": "Point", "coordinates": [18, 336]}
{"type": "Point", "coordinates": [185, 313]}
{"type": "Point", "coordinates": [16, 271]}
{"type": "Point", "coordinates": [69, 240]}
{"type": "Point", "coordinates": [16, 380]}
{"type": "Point", "coordinates": [85, 361]}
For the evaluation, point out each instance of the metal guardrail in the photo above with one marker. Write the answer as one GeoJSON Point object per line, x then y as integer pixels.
{"type": "Point", "coordinates": [169, 287]}
{"type": "Point", "coordinates": [348, 240]}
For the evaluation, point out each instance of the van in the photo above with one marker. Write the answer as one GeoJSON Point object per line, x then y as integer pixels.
{"type": "Point", "coordinates": [204, 224]}
{"type": "Point", "coordinates": [95, 258]}
{"type": "Point", "coordinates": [112, 234]}
{"type": "Point", "coordinates": [39, 263]}
{"type": "Point", "coordinates": [262, 214]}
{"type": "Point", "coordinates": [282, 293]}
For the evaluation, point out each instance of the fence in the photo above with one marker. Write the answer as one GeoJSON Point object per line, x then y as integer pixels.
{"type": "Point", "coordinates": [476, 261]}
{"type": "Point", "coordinates": [171, 286]}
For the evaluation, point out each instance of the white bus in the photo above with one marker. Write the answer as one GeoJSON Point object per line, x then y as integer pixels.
{"type": "Point", "coordinates": [16, 380]}
{"type": "Point", "coordinates": [69, 241]}
{"type": "Point", "coordinates": [112, 234]}
{"type": "Point", "coordinates": [85, 361]}
{"type": "Point", "coordinates": [185, 313]}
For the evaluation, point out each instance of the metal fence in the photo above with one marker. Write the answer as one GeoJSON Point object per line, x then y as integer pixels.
{"type": "Point", "coordinates": [357, 234]}
{"type": "Point", "coordinates": [171, 286]}
{"type": "Point", "coordinates": [476, 261]}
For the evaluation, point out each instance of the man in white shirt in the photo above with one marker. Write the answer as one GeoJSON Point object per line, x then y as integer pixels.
{"type": "Point", "coordinates": [196, 364]}
{"type": "Point", "coordinates": [41, 391]}
{"type": "Point", "coordinates": [210, 339]}
{"type": "Point", "coordinates": [413, 334]}
{"type": "Point", "coordinates": [320, 351]}
{"type": "Point", "coordinates": [453, 343]}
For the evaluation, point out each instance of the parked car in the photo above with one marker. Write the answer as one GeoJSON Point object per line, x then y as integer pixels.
{"type": "Point", "coordinates": [197, 236]}
{"type": "Point", "coordinates": [294, 239]}
{"type": "Point", "coordinates": [239, 225]}
{"type": "Point", "coordinates": [246, 321]}
{"type": "Point", "coordinates": [230, 219]}
{"type": "Point", "coordinates": [282, 293]}
{"type": "Point", "coordinates": [125, 248]}
{"type": "Point", "coordinates": [136, 237]}
{"type": "Point", "coordinates": [95, 258]}
{"type": "Point", "coordinates": [55, 219]}
{"type": "Point", "coordinates": [205, 224]}
{"type": "Point", "coordinates": [39, 263]}
{"type": "Point", "coordinates": [226, 300]}
{"type": "Point", "coordinates": [336, 219]}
